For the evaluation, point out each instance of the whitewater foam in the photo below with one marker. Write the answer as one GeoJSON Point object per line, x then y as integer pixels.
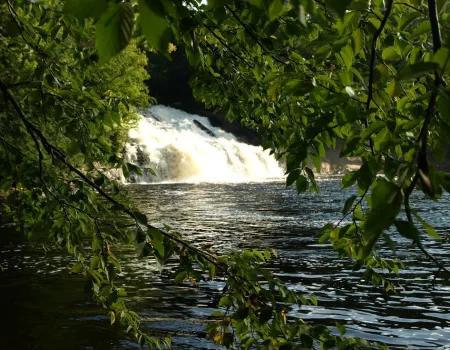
{"type": "Point", "coordinates": [181, 147]}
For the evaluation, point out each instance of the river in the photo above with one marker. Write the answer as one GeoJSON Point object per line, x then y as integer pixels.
{"type": "Point", "coordinates": [44, 307]}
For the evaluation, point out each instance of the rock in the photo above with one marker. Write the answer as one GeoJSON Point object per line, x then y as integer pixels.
{"type": "Point", "coordinates": [204, 128]}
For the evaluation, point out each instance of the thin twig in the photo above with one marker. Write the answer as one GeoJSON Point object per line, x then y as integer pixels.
{"type": "Point", "coordinates": [372, 62]}
{"type": "Point", "coordinates": [374, 51]}
{"type": "Point", "coordinates": [412, 7]}
{"type": "Point", "coordinates": [58, 154]}
{"type": "Point", "coordinates": [226, 46]}
{"type": "Point", "coordinates": [22, 83]}
{"type": "Point", "coordinates": [252, 35]}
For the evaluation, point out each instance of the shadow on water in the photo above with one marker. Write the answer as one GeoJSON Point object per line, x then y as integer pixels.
{"type": "Point", "coordinates": [230, 216]}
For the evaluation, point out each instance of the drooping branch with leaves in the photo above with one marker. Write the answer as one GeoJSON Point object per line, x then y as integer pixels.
{"type": "Point", "coordinates": [307, 75]}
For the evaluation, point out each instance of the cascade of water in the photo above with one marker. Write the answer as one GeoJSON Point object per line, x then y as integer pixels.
{"type": "Point", "coordinates": [182, 147]}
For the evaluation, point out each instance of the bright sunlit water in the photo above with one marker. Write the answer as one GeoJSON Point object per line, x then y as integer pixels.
{"type": "Point", "coordinates": [43, 308]}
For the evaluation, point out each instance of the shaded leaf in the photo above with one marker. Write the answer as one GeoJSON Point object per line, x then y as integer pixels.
{"type": "Point", "coordinates": [416, 70]}
{"type": "Point", "coordinates": [265, 315]}
{"type": "Point", "coordinates": [348, 204]}
{"type": "Point", "coordinates": [301, 184]}
{"type": "Point", "coordinates": [408, 230]}
{"type": "Point", "coordinates": [113, 30]}
{"type": "Point", "coordinates": [85, 8]}
{"type": "Point", "coordinates": [78, 268]}
{"type": "Point", "coordinates": [292, 177]}
{"type": "Point", "coordinates": [154, 25]}
{"type": "Point", "coordinates": [339, 6]}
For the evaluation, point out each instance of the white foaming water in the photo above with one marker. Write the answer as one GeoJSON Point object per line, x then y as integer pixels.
{"type": "Point", "coordinates": [174, 144]}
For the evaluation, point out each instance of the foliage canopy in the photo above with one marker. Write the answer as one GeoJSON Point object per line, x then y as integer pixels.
{"type": "Point", "coordinates": [304, 73]}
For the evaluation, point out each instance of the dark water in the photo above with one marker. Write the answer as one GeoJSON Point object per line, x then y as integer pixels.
{"type": "Point", "coordinates": [230, 216]}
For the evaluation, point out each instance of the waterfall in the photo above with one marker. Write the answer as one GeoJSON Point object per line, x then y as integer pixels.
{"type": "Point", "coordinates": [182, 147]}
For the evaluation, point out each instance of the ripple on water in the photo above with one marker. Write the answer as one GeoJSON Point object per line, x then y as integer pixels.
{"type": "Point", "coordinates": [262, 215]}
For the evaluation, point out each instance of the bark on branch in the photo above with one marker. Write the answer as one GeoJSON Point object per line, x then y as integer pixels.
{"type": "Point", "coordinates": [56, 153]}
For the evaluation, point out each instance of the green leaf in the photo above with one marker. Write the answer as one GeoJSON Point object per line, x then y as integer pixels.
{"type": "Point", "coordinates": [85, 8]}
{"type": "Point", "coordinates": [265, 315]}
{"type": "Point", "coordinates": [297, 87]}
{"type": "Point", "coordinates": [317, 161]}
{"type": "Point", "coordinates": [157, 241]}
{"type": "Point", "coordinates": [390, 54]}
{"type": "Point", "coordinates": [442, 58]}
{"type": "Point", "coordinates": [274, 252]}
{"type": "Point", "coordinates": [100, 180]}
{"type": "Point", "coordinates": [346, 54]}
{"type": "Point", "coordinates": [390, 243]}
{"type": "Point", "coordinates": [394, 88]}
{"type": "Point", "coordinates": [272, 92]}
{"type": "Point", "coordinates": [73, 148]}
{"type": "Point", "coordinates": [286, 346]}
{"type": "Point", "coordinates": [115, 262]}
{"type": "Point", "coordinates": [114, 188]}
{"type": "Point", "coordinates": [248, 343]}
{"type": "Point", "coordinates": [386, 200]}
{"type": "Point", "coordinates": [383, 193]}
{"type": "Point", "coordinates": [313, 300]}
{"type": "Point", "coordinates": [341, 328]}
{"type": "Point", "coordinates": [125, 171]}
{"type": "Point", "coordinates": [154, 25]}
{"type": "Point", "coordinates": [218, 3]}
{"type": "Point", "coordinates": [301, 184]}
{"type": "Point", "coordinates": [444, 180]}
{"type": "Point", "coordinates": [372, 129]}
{"type": "Point", "coordinates": [180, 277]}
{"type": "Point", "coordinates": [112, 317]}
{"type": "Point", "coordinates": [12, 29]}
{"type": "Point", "coordinates": [422, 28]}
{"type": "Point", "coordinates": [273, 8]}
{"type": "Point", "coordinates": [416, 70]}
{"type": "Point", "coordinates": [212, 271]}
{"type": "Point", "coordinates": [408, 230]}
{"type": "Point", "coordinates": [349, 179]}
{"type": "Point", "coordinates": [350, 145]}
{"type": "Point", "coordinates": [78, 268]}
{"type": "Point", "coordinates": [430, 229]}
{"type": "Point", "coordinates": [115, 118]}
{"type": "Point", "coordinates": [292, 177]}
{"type": "Point", "coordinates": [225, 301]}
{"type": "Point", "coordinates": [241, 313]}
{"type": "Point", "coordinates": [339, 6]}
{"type": "Point", "coordinates": [113, 30]}
{"type": "Point", "coordinates": [142, 249]}
{"type": "Point", "coordinates": [349, 204]}
{"type": "Point", "coordinates": [407, 19]}
{"type": "Point", "coordinates": [95, 261]}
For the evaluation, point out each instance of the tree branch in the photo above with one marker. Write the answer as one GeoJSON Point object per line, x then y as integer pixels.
{"type": "Point", "coordinates": [226, 46]}
{"type": "Point", "coordinates": [412, 7]}
{"type": "Point", "coordinates": [252, 35]}
{"type": "Point", "coordinates": [372, 62]}
{"type": "Point", "coordinates": [422, 161]}
{"type": "Point", "coordinates": [58, 154]}
{"type": "Point", "coordinates": [22, 83]}
{"type": "Point", "coordinates": [434, 20]}
{"type": "Point", "coordinates": [374, 51]}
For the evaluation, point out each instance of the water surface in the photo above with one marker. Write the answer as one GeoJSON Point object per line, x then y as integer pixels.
{"type": "Point", "coordinates": [231, 216]}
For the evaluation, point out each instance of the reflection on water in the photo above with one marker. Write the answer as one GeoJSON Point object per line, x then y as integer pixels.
{"type": "Point", "coordinates": [232, 216]}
